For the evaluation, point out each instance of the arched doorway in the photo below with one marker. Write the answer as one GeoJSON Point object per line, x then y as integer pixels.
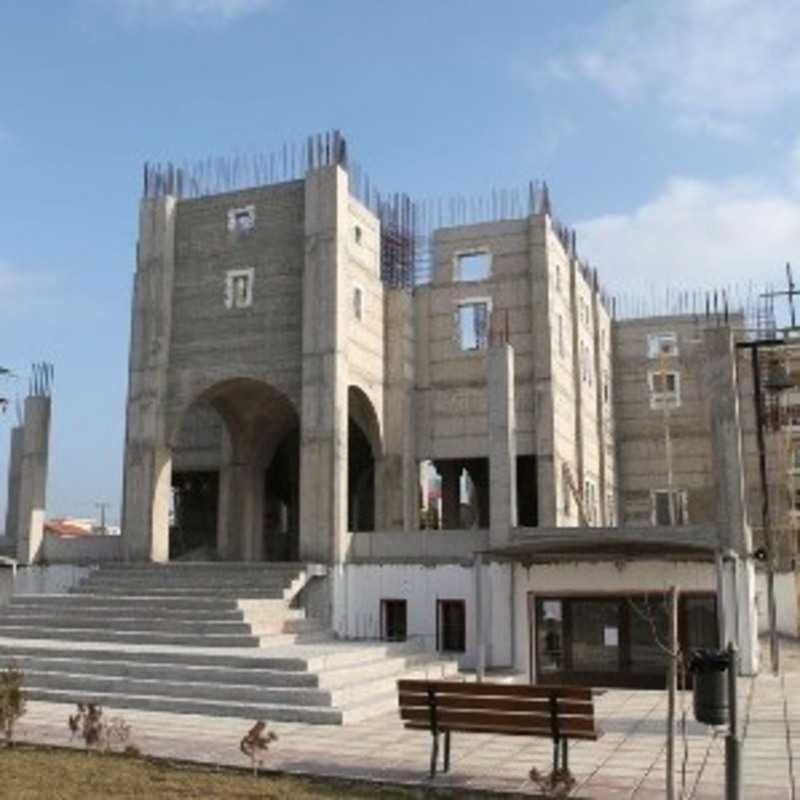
{"type": "Point", "coordinates": [363, 453]}
{"type": "Point", "coordinates": [235, 477]}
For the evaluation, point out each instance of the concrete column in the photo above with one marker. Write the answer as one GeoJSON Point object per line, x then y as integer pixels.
{"type": "Point", "coordinates": [14, 475]}
{"type": "Point", "coordinates": [502, 444]}
{"type": "Point", "coordinates": [538, 253]}
{"type": "Point", "coordinates": [240, 523]}
{"type": "Point", "coordinates": [728, 469]}
{"type": "Point", "coordinates": [451, 493]}
{"type": "Point", "coordinates": [33, 479]}
{"type": "Point", "coordinates": [324, 416]}
{"type": "Point", "coordinates": [147, 467]}
{"type": "Point", "coordinates": [399, 486]}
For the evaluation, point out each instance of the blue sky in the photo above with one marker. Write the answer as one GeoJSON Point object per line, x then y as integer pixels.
{"type": "Point", "coordinates": [668, 132]}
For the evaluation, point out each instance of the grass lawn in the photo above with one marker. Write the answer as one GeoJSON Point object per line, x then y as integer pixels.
{"type": "Point", "coordinates": [28, 773]}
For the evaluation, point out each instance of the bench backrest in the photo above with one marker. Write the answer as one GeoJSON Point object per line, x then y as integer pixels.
{"type": "Point", "coordinates": [558, 711]}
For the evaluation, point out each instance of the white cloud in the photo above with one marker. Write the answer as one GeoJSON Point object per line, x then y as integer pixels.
{"type": "Point", "coordinates": [195, 11]}
{"type": "Point", "coordinates": [714, 64]}
{"type": "Point", "coordinates": [696, 234]}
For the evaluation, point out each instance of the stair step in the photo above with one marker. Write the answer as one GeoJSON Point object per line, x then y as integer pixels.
{"type": "Point", "coordinates": [223, 674]}
{"type": "Point", "coordinates": [124, 624]}
{"type": "Point", "coordinates": [162, 687]}
{"type": "Point", "coordinates": [68, 635]}
{"type": "Point", "coordinates": [187, 705]}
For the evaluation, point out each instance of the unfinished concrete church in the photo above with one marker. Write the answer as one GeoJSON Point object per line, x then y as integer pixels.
{"type": "Point", "coordinates": [445, 420]}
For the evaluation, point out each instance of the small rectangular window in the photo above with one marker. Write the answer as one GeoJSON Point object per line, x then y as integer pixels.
{"type": "Point", "coordinates": [662, 344]}
{"type": "Point", "coordinates": [473, 325]}
{"type": "Point", "coordinates": [451, 626]}
{"type": "Point", "coordinates": [239, 288]}
{"type": "Point", "coordinates": [662, 514]}
{"type": "Point", "coordinates": [473, 266]}
{"type": "Point", "coordinates": [242, 220]}
{"type": "Point", "coordinates": [610, 510]}
{"type": "Point", "coordinates": [393, 620]}
{"type": "Point", "coordinates": [665, 389]}
{"type": "Point", "coordinates": [358, 302]}
{"type": "Point", "coordinates": [357, 233]}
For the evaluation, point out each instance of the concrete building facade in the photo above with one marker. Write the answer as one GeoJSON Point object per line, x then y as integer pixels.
{"type": "Point", "coordinates": [285, 390]}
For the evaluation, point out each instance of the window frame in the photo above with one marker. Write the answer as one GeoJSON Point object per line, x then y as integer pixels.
{"type": "Point", "coordinates": [385, 601]}
{"type": "Point", "coordinates": [473, 301]}
{"type": "Point", "coordinates": [440, 635]}
{"type": "Point", "coordinates": [473, 251]}
{"type": "Point", "coordinates": [231, 277]}
{"type": "Point", "coordinates": [662, 399]}
{"type": "Point", "coordinates": [359, 309]}
{"type": "Point", "coordinates": [237, 214]}
{"type": "Point", "coordinates": [681, 507]}
{"type": "Point", "coordinates": [654, 345]}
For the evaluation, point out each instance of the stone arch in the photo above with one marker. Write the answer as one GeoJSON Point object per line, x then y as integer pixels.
{"type": "Point", "coordinates": [364, 453]}
{"type": "Point", "coordinates": [256, 501]}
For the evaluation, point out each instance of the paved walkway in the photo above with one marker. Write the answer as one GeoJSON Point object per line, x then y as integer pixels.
{"type": "Point", "coordinates": [627, 762]}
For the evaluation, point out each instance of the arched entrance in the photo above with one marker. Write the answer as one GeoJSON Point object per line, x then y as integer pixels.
{"type": "Point", "coordinates": [363, 453]}
{"type": "Point", "coordinates": [235, 477]}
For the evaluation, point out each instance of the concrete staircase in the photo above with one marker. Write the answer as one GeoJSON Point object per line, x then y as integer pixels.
{"type": "Point", "coordinates": [215, 639]}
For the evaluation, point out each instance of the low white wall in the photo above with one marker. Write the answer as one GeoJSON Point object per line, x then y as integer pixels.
{"type": "Point", "coordinates": [785, 603]}
{"type": "Point", "coordinates": [359, 588]}
{"type": "Point", "coordinates": [600, 577]}
{"type": "Point", "coordinates": [53, 579]}
{"type": "Point", "coordinates": [81, 549]}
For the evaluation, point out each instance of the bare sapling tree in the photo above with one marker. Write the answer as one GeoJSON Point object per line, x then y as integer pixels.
{"type": "Point", "coordinates": [12, 702]}
{"type": "Point", "coordinates": [256, 742]}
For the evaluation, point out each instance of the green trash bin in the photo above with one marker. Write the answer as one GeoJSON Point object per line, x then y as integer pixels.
{"type": "Point", "coordinates": [709, 669]}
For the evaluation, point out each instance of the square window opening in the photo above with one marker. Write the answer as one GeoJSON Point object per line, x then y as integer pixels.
{"type": "Point", "coordinates": [670, 508]}
{"type": "Point", "coordinates": [242, 220]}
{"type": "Point", "coordinates": [474, 266]}
{"type": "Point", "coordinates": [662, 344]}
{"type": "Point", "coordinates": [665, 389]}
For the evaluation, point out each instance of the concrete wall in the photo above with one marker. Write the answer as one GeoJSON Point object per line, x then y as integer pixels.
{"type": "Point", "coordinates": [210, 342]}
{"type": "Point", "coordinates": [451, 397]}
{"type": "Point", "coordinates": [786, 598]}
{"type": "Point", "coordinates": [427, 546]}
{"type": "Point", "coordinates": [82, 549]}
{"type": "Point", "coordinates": [640, 429]}
{"type": "Point", "coordinates": [358, 590]}
{"type": "Point", "coordinates": [40, 580]}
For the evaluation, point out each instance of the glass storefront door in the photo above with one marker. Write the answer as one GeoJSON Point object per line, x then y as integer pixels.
{"type": "Point", "coordinates": [614, 640]}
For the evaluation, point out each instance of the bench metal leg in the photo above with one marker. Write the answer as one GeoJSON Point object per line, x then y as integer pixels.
{"type": "Point", "coordinates": [556, 746]}
{"type": "Point", "coordinates": [565, 755]}
{"type": "Point", "coordinates": [447, 751]}
{"type": "Point", "coordinates": [434, 754]}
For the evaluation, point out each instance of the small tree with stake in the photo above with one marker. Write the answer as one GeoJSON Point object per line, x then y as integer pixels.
{"type": "Point", "coordinates": [256, 743]}
{"type": "Point", "coordinates": [12, 702]}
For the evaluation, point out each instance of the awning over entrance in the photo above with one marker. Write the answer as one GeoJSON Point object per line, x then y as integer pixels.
{"type": "Point", "coordinates": [553, 545]}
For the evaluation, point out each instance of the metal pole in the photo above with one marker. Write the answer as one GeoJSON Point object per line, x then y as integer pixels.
{"type": "Point", "coordinates": [733, 746]}
{"type": "Point", "coordinates": [721, 599]}
{"type": "Point", "coordinates": [672, 683]}
{"type": "Point", "coordinates": [774, 653]}
{"type": "Point", "coordinates": [480, 669]}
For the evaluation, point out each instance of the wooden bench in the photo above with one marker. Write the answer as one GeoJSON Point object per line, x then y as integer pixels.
{"type": "Point", "coordinates": [559, 713]}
